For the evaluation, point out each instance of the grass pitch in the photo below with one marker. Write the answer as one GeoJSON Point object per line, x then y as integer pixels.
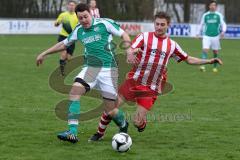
{"type": "Point", "coordinates": [199, 120]}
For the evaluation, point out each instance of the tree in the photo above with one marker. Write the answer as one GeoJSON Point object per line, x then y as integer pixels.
{"type": "Point", "coordinates": [186, 4]}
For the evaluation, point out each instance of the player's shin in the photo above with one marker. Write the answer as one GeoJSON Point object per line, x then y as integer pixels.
{"type": "Point", "coordinates": [204, 55]}
{"type": "Point", "coordinates": [120, 121]}
{"type": "Point", "coordinates": [103, 123]}
{"type": "Point", "coordinates": [140, 119]}
{"type": "Point", "coordinates": [62, 64]}
{"type": "Point", "coordinates": [73, 116]}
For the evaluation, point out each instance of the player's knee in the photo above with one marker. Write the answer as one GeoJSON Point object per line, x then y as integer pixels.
{"type": "Point", "coordinates": [205, 50]}
{"type": "Point", "coordinates": [110, 106]}
{"type": "Point", "coordinates": [64, 55]}
{"type": "Point", "coordinates": [81, 86]}
{"type": "Point", "coordinates": [74, 97]}
{"type": "Point", "coordinates": [76, 91]}
{"type": "Point", "coordinates": [113, 112]}
{"type": "Point", "coordinates": [69, 57]}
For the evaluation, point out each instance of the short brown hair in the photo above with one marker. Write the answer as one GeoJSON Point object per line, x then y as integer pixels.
{"type": "Point", "coordinates": [81, 7]}
{"type": "Point", "coordinates": [71, 1]}
{"type": "Point", "coordinates": [212, 1]}
{"type": "Point", "coordinates": [162, 15]}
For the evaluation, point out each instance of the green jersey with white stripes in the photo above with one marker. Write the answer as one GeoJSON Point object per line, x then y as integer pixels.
{"type": "Point", "coordinates": [212, 23]}
{"type": "Point", "coordinates": [97, 41]}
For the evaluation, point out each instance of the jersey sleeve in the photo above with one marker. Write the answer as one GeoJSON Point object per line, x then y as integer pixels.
{"type": "Point", "coordinates": [138, 41]}
{"type": "Point", "coordinates": [60, 18]}
{"type": "Point", "coordinates": [113, 27]}
{"type": "Point", "coordinates": [200, 27]}
{"type": "Point", "coordinates": [178, 54]}
{"type": "Point", "coordinates": [72, 38]}
{"type": "Point", "coordinates": [223, 24]}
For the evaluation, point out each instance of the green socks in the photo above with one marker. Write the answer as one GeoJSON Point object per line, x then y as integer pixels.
{"type": "Point", "coordinates": [204, 55]}
{"type": "Point", "coordinates": [73, 116]}
{"type": "Point", "coordinates": [119, 119]}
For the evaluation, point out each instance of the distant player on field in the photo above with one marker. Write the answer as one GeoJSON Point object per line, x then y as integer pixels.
{"type": "Point", "coordinates": [213, 28]}
{"type": "Point", "coordinates": [69, 21]}
{"type": "Point", "coordinates": [147, 78]}
{"type": "Point", "coordinates": [99, 70]}
{"type": "Point", "coordinates": [93, 9]}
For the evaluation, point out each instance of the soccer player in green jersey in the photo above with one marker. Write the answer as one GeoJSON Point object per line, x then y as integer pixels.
{"type": "Point", "coordinates": [100, 68]}
{"type": "Point", "coordinates": [69, 21]}
{"type": "Point", "coordinates": [213, 28]}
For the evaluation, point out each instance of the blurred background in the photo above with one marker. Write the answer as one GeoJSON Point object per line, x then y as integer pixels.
{"type": "Point", "coordinates": [16, 17]}
{"type": "Point", "coordinates": [187, 11]}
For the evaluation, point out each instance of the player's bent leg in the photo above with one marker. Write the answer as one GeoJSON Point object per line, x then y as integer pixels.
{"type": "Point", "coordinates": [140, 119]}
{"type": "Point", "coordinates": [116, 114]}
{"type": "Point", "coordinates": [69, 57]}
{"type": "Point", "coordinates": [63, 55]}
{"type": "Point", "coordinates": [120, 100]}
{"type": "Point", "coordinates": [145, 101]}
{"type": "Point", "coordinates": [70, 51]}
{"type": "Point", "coordinates": [111, 111]}
{"type": "Point", "coordinates": [62, 61]}
{"type": "Point", "coordinates": [105, 119]}
{"type": "Point", "coordinates": [102, 126]}
{"type": "Point", "coordinates": [108, 86]}
{"type": "Point", "coordinates": [78, 89]}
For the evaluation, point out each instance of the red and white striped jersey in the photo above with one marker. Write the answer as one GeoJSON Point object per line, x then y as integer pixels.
{"type": "Point", "coordinates": [151, 71]}
{"type": "Point", "coordinates": [95, 13]}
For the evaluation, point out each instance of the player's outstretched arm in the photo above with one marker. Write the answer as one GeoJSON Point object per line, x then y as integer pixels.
{"type": "Point", "coordinates": [131, 58]}
{"type": "Point", "coordinates": [198, 61]}
{"type": "Point", "coordinates": [56, 48]}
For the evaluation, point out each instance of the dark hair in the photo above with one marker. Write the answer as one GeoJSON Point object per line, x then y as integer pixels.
{"type": "Point", "coordinates": [81, 7]}
{"type": "Point", "coordinates": [71, 1]}
{"type": "Point", "coordinates": [162, 15]}
{"type": "Point", "coordinates": [212, 1]}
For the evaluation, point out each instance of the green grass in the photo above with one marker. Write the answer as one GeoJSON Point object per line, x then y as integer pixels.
{"type": "Point", "coordinates": [199, 120]}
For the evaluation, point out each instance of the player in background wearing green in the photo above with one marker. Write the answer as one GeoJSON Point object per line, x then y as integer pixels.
{"type": "Point", "coordinates": [69, 21]}
{"type": "Point", "coordinates": [99, 70]}
{"type": "Point", "coordinates": [213, 28]}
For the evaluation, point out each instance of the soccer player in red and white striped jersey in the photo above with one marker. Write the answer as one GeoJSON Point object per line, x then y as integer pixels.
{"type": "Point", "coordinates": [93, 9]}
{"type": "Point", "coordinates": [147, 78]}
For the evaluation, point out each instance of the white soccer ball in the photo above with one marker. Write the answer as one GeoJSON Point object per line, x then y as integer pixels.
{"type": "Point", "coordinates": [121, 142]}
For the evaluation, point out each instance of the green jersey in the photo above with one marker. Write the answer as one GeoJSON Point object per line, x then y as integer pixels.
{"type": "Point", "coordinates": [212, 24]}
{"type": "Point", "coordinates": [97, 41]}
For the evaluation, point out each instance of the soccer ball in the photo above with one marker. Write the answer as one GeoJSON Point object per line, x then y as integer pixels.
{"type": "Point", "coordinates": [121, 142]}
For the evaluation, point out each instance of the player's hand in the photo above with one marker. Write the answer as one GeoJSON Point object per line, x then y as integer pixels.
{"type": "Point", "coordinates": [56, 24]}
{"type": "Point", "coordinates": [132, 59]}
{"type": "Point", "coordinates": [136, 50]}
{"type": "Point", "coordinates": [216, 60]}
{"type": "Point", "coordinates": [131, 55]}
{"type": "Point", "coordinates": [40, 59]}
{"type": "Point", "coordinates": [222, 35]}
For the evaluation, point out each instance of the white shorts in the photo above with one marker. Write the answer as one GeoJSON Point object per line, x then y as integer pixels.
{"type": "Point", "coordinates": [211, 43]}
{"type": "Point", "coordinates": [102, 79]}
